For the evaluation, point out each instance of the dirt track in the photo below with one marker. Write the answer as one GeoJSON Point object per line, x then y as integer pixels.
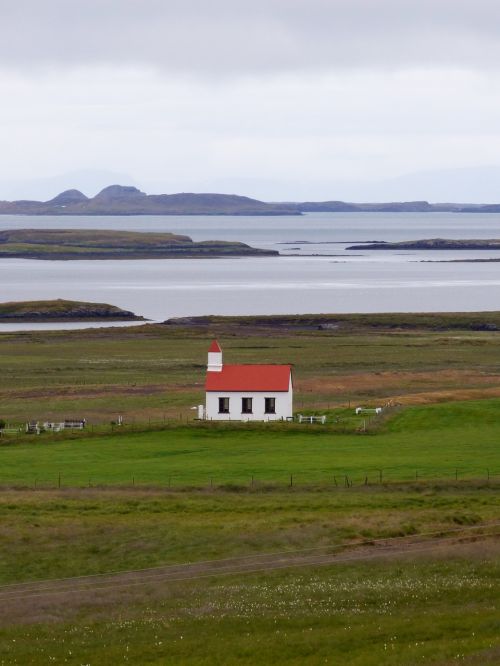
{"type": "Point", "coordinates": [57, 599]}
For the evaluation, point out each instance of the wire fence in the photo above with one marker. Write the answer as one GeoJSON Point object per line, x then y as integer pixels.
{"type": "Point", "coordinates": [333, 480]}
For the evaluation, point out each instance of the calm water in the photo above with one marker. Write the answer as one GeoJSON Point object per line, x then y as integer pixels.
{"type": "Point", "coordinates": [333, 280]}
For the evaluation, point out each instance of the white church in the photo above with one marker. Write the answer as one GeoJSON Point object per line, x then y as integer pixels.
{"type": "Point", "coordinates": [246, 392]}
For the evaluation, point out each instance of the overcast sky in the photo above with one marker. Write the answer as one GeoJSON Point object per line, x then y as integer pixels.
{"type": "Point", "coordinates": [279, 99]}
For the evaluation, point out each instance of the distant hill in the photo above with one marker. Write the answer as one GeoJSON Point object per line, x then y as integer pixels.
{"type": "Point", "coordinates": [128, 200]}
{"type": "Point", "coordinates": [122, 200]}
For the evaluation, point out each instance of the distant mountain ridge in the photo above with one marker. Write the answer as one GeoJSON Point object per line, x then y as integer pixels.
{"type": "Point", "coordinates": [128, 200]}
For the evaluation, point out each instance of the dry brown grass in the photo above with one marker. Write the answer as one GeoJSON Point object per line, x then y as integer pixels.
{"type": "Point", "coordinates": [83, 392]}
{"type": "Point", "coordinates": [407, 387]}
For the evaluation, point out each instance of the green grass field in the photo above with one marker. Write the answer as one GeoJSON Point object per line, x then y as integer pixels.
{"type": "Point", "coordinates": [442, 441]}
{"type": "Point", "coordinates": [366, 615]}
{"type": "Point", "coordinates": [175, 492]}
{"type": "Point", "coordinates": [52, 534]}
{"type": "Point", "coordinates": [437, 607]}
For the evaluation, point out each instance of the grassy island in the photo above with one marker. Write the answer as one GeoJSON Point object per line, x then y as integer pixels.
{"type": "Point", "coordinates": [62, 310]}
{"type": "Point", "coordinates": [107, 244]}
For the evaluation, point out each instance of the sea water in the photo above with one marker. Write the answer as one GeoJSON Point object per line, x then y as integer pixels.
{"type": "Point", "coordinates": [317, 272]}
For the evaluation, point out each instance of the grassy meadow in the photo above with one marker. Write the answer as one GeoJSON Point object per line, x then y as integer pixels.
{"type": "Point", "coordinates": [414, 495]}
{"type": "Point", "coordinates": [155, 372]}
{"type": "Point", "coordinates": [432, 612]}
{"type": "Point", "coordinates": [444, 441]}
{"type": "Point", "coordinates": [434, 607]}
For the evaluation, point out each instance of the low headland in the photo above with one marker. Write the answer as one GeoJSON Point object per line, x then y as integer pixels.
{"type": "Point", "coordinates": [62, 311]}
{"type": "Point", "coordinates": [270, 325]}
{"type": "Point", "coordinates": [432, 244]}
{"type": "Point", "coordinates": [106, 244]}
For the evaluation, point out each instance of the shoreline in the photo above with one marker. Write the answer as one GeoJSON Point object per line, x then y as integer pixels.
{"type": "Point", "coordinates": [327, 323]}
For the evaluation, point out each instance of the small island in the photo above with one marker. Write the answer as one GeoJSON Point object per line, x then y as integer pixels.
{"type": "Point", "coordinates": [65, 244]}
{"type": "Point", "coordinates": [432, 244]}
{"type": "Point", "coordinates": [61, 311]}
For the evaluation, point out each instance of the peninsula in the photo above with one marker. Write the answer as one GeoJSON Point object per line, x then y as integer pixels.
{"type": "Point", "coordinates": [61, 310]}
{"type": "Point", "coordinates": [432, 244]}
{"type": "Point", "coordinates": [95, 244]}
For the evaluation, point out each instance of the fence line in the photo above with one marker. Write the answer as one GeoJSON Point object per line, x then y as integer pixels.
{"type": "Point", "coordinates": [10, 437]}
{"type": "Point", "coordinates": [335, 480]}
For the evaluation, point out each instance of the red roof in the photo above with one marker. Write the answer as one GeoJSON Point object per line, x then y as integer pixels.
{"type": "Point", "coordinates": [249, 378]}
{"type": "Point", "coordinates": [214, 347]}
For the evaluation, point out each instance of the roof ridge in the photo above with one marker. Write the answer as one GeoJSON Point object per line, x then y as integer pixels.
{"type": "Point", "coordinates": [215, 346]}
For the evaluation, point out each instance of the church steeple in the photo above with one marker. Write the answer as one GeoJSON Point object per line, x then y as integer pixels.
{"type": "Point", "coordinates": [214, 357]}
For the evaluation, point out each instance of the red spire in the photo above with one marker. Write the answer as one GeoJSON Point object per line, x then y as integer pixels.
{"type": "Point", "coordinates": [214, 347]}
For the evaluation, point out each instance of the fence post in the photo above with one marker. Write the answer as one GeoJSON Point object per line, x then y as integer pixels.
{"type": "Point", "coordinates": [488, 473]}
{"type": "Point", "coordinates": [335, 480]}
{"type": "Point", "coordinates": [252, 480]}
{"type": "Point", "coordinates": [380, 475]}
{"type": "Point", "coordinates": [291, 480]}
{"type": "Point", "coordinates": [59, 480]}
{"type": "Point", "coordinates": [456, 474]}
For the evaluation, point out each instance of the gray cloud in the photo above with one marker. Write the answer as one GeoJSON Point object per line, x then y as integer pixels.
{"type": "Point", "coordinates": [235, 36]}
{"type": "Point", "coordinates": [273, 98]}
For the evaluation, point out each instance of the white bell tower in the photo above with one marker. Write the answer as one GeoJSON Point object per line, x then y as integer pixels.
{"type": "Point", "coordinates": [214, 357]}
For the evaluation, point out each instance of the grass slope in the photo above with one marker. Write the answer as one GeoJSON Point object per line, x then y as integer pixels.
{"type": "Point", "coordinates": [432, 442]}
{"type": "Point", "coordinates": [435, 608]}
{"type": "Point", "coordinates": [61, 533]}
